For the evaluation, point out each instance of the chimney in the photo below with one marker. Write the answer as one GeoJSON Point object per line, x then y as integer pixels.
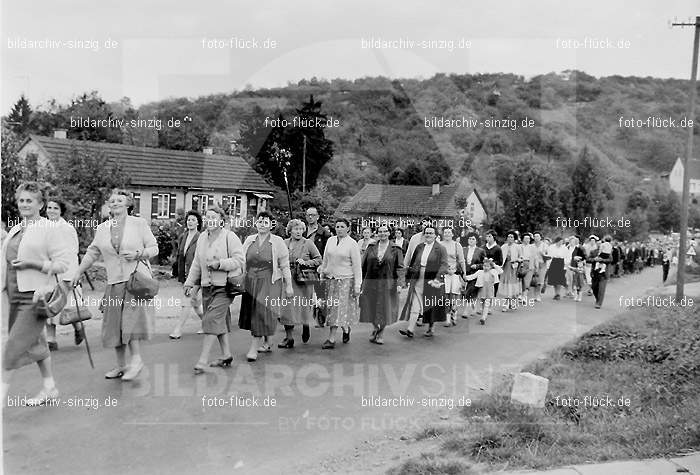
{"type": "Point", "coordinates": [59, 133]}
{"type": "Point", "coordinates": [208, 150]}
{"type": "Point", "coordinates": [436, 189]}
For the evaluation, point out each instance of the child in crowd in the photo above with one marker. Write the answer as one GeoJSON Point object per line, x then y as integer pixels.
{"type": "Point", "coordinates": [485, 280]}
{"type": "Point", "coordinates": [453, 286]}
{"type": "Point", "coordinates": [579, 277]}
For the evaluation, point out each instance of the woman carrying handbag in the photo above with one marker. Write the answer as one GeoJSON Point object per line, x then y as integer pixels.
{"type": "Point", "coordinates": [217, 258]}
{"type": "Point", "coordinates": [32, 254]}
{"type": "Point", "coordinates": [125, 243]}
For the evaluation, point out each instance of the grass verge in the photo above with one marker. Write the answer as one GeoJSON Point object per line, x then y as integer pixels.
{"type": "Point", "coordinates": [650, 358]}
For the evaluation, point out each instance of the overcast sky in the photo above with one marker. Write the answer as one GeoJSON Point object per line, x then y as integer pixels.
{"type": "Point", "coordinates": [158, 48]}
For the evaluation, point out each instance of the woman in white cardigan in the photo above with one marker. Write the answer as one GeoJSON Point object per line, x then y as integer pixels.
{"type": "Point", "coordinates": [267, 269]}
{"type": "Point", "coordinates": [122, 241]}
{"type": "Point", "coordinates": [218, 256]}
{"type": "Point", "coordinates": [32, 253]}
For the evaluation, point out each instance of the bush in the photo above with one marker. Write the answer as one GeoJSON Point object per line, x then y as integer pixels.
{"type": "Point", "coordinates": [166, 233]}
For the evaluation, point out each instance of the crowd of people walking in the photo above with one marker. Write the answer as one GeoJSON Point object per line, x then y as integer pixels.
{"type": "Point", "coordinates": [318, 276]}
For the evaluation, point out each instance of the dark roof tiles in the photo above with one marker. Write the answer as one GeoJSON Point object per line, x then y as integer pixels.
{"type": "Point", "coordinates": [168, 168]}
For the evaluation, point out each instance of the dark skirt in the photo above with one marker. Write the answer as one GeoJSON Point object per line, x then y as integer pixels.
{"type": "Point", "coordinates": [126, 317]}
{"type": "Point", "coordinates": [261, 304]}
{"type": "Point", "coordinates": [557, 272]}
{"type": "Point", "coordinates": [217, 310]}
{"type": "Point", "coordinates": [26, 342]}
{"type": "Point", "coordinates": [379, 302]}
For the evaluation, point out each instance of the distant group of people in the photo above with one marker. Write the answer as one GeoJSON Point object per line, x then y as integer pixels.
{"type": "Point", "coordinates": [318, 276]}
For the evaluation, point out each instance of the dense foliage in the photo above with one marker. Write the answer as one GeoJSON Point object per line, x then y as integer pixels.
{"type": "Point", "coordinates": [567, 125]}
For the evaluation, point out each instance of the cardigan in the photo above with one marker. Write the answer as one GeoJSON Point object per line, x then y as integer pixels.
{"type": "Point", "coordinates": [44, 241]}
{"type": "Point", "coordinates": [280, 257]}
{"type": "Point", "coordinates": [227, 248]}
{"type": "Point", "coordinates": [342, 260]}
{"type": "Point", "coordinates": [137, 237]}
{"type": "Point", "coordinates": [309, 253]}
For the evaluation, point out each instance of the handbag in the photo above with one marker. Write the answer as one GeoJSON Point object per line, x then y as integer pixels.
{"type": "Point", "coordinates": [51, 303]}
{"type": "Point", "coordinates": [234, 284]}
{"type": "Point", "coordinates": [142, 286]}
{"type": "Point", "coordinates": [74, 314]}
{"type": "Point", "coordinates": [305, 275]}
{"type": "Point", "coordinates": [523, 269]}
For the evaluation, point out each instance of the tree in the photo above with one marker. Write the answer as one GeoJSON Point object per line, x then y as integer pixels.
{"type": "Point", "coordinates": [467, 164]}
{"type": "Point", "coordinates": [438, 169]}
{"type": "Point", "coordinates": [260, 135]}
{"type": "Point", "coordinates": [529, 196]}
{"type": "Point", "coordinates": [20, 116]}
{"type": "Point", "coordinates": [191, 135]}
{"type": "Point", "coordinates": [12, 172]}
{"type": "Point", "coordinates": [90, 106]}
{"type": "Point", "coordinates": [415, 174]}
{"type": "Point", "coordinates": [586, 195]}
{"type": "Point", "coordinates": [86, 178]}
{"type": "Point", "coordinates": [669, 213]}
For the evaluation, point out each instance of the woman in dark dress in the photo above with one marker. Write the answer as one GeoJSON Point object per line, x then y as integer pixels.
{"type": "Point", "coordinates": [556, 275]}
{"type": "Point", "coordinates": [267, 277]}
{"type": "Point", "coordinates": [379, 299]}
{"type": "Point", "coordinates": [426, 293]}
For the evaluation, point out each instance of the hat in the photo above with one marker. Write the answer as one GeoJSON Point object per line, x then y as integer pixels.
{"type": "Point", "coordinates": [593, 236]}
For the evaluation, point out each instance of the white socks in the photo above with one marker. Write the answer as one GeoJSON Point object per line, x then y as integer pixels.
{"type": "Point", "coordinates": [49, 383]}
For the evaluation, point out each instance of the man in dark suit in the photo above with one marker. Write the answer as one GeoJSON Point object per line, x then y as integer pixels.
{"type": "Point", "coordinates": [319, 235]}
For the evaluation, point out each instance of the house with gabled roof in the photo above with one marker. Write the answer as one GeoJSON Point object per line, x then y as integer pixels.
{"type": "Point", "coordinates": [675, 178]}
{"type": "Point", "coordinates": [407, 204]}
{"type": "Point", "coordinates": [164, 180]}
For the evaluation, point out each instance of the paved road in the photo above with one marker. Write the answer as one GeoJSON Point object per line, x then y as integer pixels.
{"type": "Point", "coordinates": [170, 421]}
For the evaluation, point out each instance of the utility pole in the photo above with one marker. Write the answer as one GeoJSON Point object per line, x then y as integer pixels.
{"type": "Point", "coordinates": [303, 168]}
{"type": "Point", "coordinates": [680, 279]}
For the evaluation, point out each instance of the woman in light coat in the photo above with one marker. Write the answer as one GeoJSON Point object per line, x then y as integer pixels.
{"type": "Point", "coordinates": [33, 253]}
{"type": "Point", "coordinates": [218, 256]}
{"type": "Point", "coordinates": [125, 244]}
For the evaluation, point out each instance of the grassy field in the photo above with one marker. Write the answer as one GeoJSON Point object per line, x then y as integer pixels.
{"type": "Point", "coordinates": [648, 357]}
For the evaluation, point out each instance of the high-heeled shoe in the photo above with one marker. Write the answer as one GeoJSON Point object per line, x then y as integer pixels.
{"type": "Point", "coordinates": [373, 337]}
{"type": "Point", "coordinates": [328, 345]}
{"type": "Point", "coordinates": [198, 369]}
{"type": "Point", "coordinates": [286, 343]}
{"type": "Point", "coordinates": [222, 362]}
{"type": "Point", "coordinates": [252, 356]}
{"type": "Point", "coordinates": [406, 333]}
{"type": "Point", "coordinates": [346, 336]}
{"type": "Point", "coordinates": [265, 348]}
{"type": "Point", "coordinates": [305, 333]}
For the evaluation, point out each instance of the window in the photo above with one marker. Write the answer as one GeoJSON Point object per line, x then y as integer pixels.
{"type": "Point", "coordinates": [202, 203]}
{"type": "Point", "coordinates": [232, 205]}
{"type": "Point", "coordinates": [162, 205]}
{"type": "Point", "coordinates": [136, 197]}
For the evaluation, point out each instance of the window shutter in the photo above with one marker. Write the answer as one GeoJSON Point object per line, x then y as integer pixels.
{"type": "Point", "coordinates": [154, 205]}
{"type": "Point", "coordinates": [173, 204]}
